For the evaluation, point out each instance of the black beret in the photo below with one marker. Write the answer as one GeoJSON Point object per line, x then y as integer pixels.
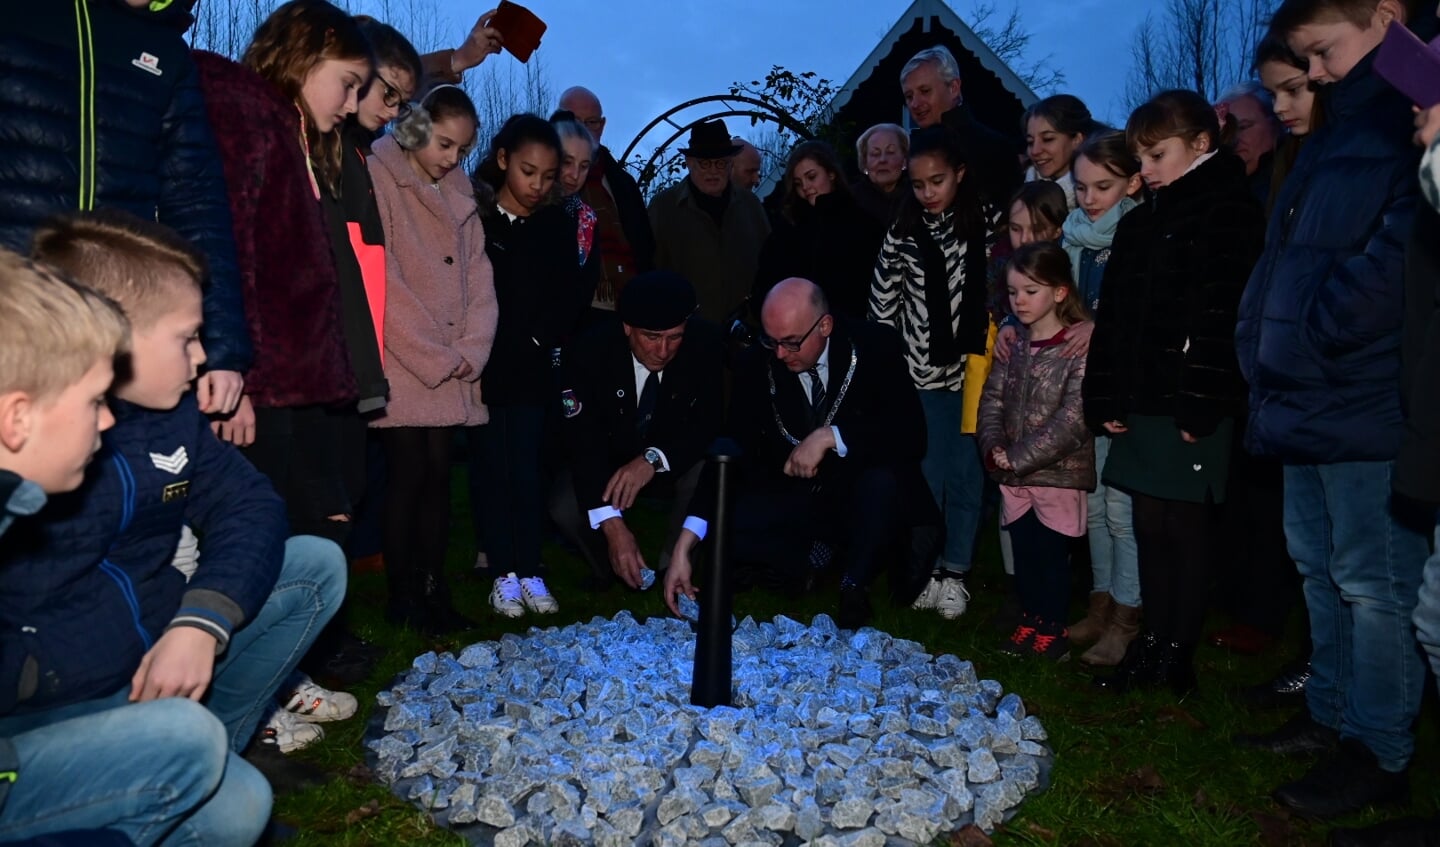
{"type": "Point", "coordinates": [656, 300]}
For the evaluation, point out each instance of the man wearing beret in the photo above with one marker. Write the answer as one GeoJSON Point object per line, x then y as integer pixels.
{"type": "Point", "coordinates": [708, 230]}
{"type": "Point", "coordinates": [641, 404]}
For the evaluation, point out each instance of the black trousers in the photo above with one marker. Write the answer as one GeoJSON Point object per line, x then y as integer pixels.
{"type": "Point", "coordinates": [315, 458]}
{"type": "Point", "coordinates": [1042, 571]}
{"type": "Point", "coordinates": [1174, 539]}
{"type": "Point", "coordinates": [415, 527]}
{"type": "Point", "coordinates": [860, 513]}
{"type": "Point", "coordinates": [1257, 580]}
{"type": "Point", "coordinates": [673, 488]}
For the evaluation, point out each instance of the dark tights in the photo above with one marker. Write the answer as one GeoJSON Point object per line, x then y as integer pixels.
{"type": "Point", "coordinates": [1174, 539]}
{"type": "Point", "coordinates": [416, 524]}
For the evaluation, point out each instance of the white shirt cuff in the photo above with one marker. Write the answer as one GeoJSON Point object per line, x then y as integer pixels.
{"type": "Point", "coordinates": [699, 526]}
{"type": "Point", "coordinates": [602, 514]}
{"type": "Point", "coordinates": [664, 460]}
{"type": "Point", "coordinates": [840, 448]}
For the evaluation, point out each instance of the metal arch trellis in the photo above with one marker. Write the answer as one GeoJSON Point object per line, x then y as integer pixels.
{"type": "Point", "coordinates": [760, 110]}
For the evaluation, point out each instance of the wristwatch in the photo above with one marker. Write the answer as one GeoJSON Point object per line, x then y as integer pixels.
{"type": "Point", "coordinates": [653, 457]}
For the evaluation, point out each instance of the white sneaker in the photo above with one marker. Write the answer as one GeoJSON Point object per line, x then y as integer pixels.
{"type": "Point", "coordinates": [953, 598]}
{"type": "Point", "coordinates": [313, 703]}
{"type": "Point", "coordinates": [929, 597]}
{"type": "Point", "coordinates": [537, 597]}
{"type": "Point", "coordinates": [286, 731]}
{"type": "Point", "coordinates": [505, 597]}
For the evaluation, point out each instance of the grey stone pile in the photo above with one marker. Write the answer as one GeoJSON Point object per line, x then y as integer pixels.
{"type": "Point", "coordinates": [585, 735]}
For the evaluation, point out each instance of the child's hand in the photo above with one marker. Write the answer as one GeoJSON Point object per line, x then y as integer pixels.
{"type": "Point", "coordinates": [1078, 344]}
{"type": "Point", "coordinates": [1001, 459]}
{"type": "Point", "coordinates": [1116, 428]}
{"type": "Point", "coordinates": [179, 665]}
{"type": "Point", "coordinates": [1003, 339]}
{"type": "Point", "coordinates": [463, 370]}
{"type": "Point", "coordinates": [238, 428]}
{"type": "Point", "coordinates": [1427, 126]}
{"type": "Point", "coordinates": [1188, 438]}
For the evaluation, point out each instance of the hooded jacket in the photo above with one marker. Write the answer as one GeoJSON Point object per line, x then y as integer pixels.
{"type": "Point", "coordinates": [102, 107]}
{"type": "Point", "coordinates": [1319, 332]}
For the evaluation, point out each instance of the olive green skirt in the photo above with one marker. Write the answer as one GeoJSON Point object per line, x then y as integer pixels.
{"type": "Point", "coordinates": [1153, 460]}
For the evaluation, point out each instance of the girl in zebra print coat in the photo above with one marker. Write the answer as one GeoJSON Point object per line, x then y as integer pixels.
{"type": "Point", "coordinates": [931, 285]}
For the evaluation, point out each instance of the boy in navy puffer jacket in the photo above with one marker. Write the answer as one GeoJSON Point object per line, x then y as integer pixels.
{"type": "Point", "coordinates": [92, 613]}
{"type": "Point", "coordinates": [58, 343]}
{"type": "Point", "coordinates": [1319, 344]}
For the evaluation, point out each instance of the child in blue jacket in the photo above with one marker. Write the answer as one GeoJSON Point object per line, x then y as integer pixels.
{"type": "Point", "coordinates": [92, 614]}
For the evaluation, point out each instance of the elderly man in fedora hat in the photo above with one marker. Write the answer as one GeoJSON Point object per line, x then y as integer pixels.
{"type": "Point", "coordinates": [705, 229]}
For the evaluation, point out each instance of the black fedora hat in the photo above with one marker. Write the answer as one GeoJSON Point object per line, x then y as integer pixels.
{"type": "Point", "coordinates": [710, 140]}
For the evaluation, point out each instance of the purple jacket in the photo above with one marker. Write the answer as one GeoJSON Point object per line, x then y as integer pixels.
{"type": "Point", "coordinates": [1031, 406]}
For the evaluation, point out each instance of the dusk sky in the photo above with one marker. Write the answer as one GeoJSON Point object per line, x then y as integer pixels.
{"type": "Point", "coordinates": [644, 56]}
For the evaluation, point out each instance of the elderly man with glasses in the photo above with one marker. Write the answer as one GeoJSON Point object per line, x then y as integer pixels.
{"type": "Point", "coordinates": [832, 434]}
{"type": "Point", "coordinates": [708, 231]}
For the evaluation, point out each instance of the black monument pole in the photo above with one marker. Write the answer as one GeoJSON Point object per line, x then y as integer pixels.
{"type": "Point", "coordinates": [711, 683]}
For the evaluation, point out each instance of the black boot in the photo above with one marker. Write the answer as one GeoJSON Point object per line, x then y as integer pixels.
{"type": "Point", "coordinates": [1177, 668]}
{"type": "Point", "coordinates": [1344, 782]}
{"type": "Point", "coordinates": [1139, 669]}
{"type": "Point", "coordinates": [1285, 690]}
{"type": "Point", "coordinates": [441, 618]}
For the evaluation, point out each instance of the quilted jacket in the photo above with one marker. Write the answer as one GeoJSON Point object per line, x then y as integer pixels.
{"type": "Point", "coordinates": [1032, 407]}
{"type": "Point", "coordinates": [87, 586]}
{"type": "Point", "coordinates": [102, 108]}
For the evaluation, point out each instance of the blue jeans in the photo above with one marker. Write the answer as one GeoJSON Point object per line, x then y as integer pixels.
{"type": "Point", "coordinates": [261, 654]}
{"type": "Point", "coordinates": [1361, 569]}
{"type": "Point", "coordinates": [139, 769]}
{"type": "Point", "coordinates": [956, 478]}
{"type": "Point", "coordinates": [1114, 558]}
{"type": "Point", "coordinates": [1427, 610]}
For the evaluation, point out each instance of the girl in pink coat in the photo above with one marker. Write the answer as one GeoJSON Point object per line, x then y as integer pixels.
{"type": "Point", "coordinates": [439, 325]}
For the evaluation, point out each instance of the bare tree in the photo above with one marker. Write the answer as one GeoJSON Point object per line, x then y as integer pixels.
{"type": "Point", "coordinates": [227, 27]}
{"type": "Point", "coordinates": [1202, 45]}
{"type": "Point", "coordinates": [1009, 40]}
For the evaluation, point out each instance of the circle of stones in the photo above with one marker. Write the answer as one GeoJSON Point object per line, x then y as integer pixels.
{"type": "Point", "coordinates": [585, 735]}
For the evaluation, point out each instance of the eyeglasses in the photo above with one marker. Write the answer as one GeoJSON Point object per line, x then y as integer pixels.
{"type": "Point", "coordinates": [793, 346]}
{"type": "Point", "coordinates": [712, 164]}
{"type": "Point", "coordinates": [392, 95]}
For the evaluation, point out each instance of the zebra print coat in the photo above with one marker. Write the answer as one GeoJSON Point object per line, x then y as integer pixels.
{"type": "Point", "coordinates": [897, 296]}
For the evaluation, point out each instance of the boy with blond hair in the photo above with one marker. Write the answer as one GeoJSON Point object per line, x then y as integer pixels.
{"type": "Point", "coordinates": [94, 614]}
{"type": "Point", "coordinates": [58, 343]}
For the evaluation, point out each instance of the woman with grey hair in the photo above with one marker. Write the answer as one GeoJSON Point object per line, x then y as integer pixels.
{"type": "Point", "coordinates": [881, 152]}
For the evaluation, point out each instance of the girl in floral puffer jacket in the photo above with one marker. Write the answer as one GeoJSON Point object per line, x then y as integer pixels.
{"type": "Point", "coordinates": [1035, 443]}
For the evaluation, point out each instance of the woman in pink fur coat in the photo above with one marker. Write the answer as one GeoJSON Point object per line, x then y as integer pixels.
{"type": "Point", "coordinates": [439, 325]}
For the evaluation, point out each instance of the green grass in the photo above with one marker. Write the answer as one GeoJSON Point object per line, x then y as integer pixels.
{"type": "Point", "coordinates": [1137, 770]}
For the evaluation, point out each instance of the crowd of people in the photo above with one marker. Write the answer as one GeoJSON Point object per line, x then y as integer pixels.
{"type": "Point", "coordinates": [247, 306]}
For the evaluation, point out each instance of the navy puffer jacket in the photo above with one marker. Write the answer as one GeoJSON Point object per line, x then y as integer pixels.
{"type": "Point", "coordinates": [102, 109]}
{"type": "Point", "coordinates": [1318, 335]}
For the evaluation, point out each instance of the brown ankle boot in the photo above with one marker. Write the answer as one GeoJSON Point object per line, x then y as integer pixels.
{"type": "Point", "coordinates": [1124, 624]}
{"type": "Point", "coordinates": [1092, 626]}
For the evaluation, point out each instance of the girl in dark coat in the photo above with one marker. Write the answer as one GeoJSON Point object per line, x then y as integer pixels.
{"type": "Point", "coordinates": [822, 235]}
{"type": "Point", "coordinates": [1162, 378]}
{"type": "Point", "coordinates": [540, 291]}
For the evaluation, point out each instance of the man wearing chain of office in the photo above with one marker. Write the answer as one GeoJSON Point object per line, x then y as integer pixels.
{"type": "Point", "coordinates": [832, 434]}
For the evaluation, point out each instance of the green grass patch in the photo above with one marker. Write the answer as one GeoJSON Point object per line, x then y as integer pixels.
{"type": "Point", "coordinates": [1136, 770]}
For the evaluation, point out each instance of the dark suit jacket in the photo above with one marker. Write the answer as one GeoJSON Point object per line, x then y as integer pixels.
{"type": "Point", "coordinates": [600, 400]}
{"type": "Point", "coordinates": [880, 419]}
